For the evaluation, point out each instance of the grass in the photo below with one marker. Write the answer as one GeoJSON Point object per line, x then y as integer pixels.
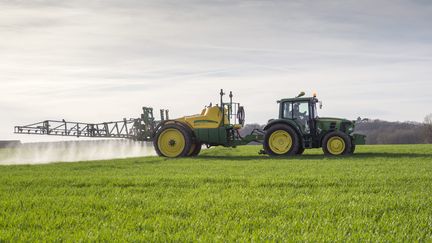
{"type": "Point", "coordinates": [383, 193]}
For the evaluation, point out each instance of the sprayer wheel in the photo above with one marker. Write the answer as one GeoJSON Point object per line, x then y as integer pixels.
{"type": "Point", "coordinates": [196, 150]}
{"type": "Point", "coordinates": [172, 141]}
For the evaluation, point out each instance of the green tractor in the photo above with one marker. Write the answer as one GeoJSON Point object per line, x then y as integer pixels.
{"type": "Point", "coordinates": [298, 127]}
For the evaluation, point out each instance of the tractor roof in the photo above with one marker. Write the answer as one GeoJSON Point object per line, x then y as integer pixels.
{"type": "Point", "coordinates": [297, 99]}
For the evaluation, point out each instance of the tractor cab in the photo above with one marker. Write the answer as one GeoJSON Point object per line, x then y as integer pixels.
{"type": "Point", "coordinates": [301, 110]}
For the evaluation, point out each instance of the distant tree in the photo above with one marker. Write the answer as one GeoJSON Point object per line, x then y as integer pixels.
{"type": "Point", "coordinates": [384, 132]}
{"type": "Point", "coordinates": [428, 128]}
{"type": "Point", "coordinates": [248, 128]}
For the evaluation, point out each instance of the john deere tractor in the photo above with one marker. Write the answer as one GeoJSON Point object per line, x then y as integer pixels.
{"type": "Point", "coordinates": [297, 128]}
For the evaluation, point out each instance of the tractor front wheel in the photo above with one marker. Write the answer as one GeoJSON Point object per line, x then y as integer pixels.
{"type": "Point", "coordinates": [172, 141]}
{"type": "Point", "coordinates": [336, 143]}
{"type": "Point", "coordinates": [281, 140]}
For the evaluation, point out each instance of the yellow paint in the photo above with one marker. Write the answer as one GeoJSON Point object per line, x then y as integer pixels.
{"type": "Point", "coordinates": [171, 142]}
{"type": "Point", "coordinates": [336, 145]}
{"type": "Point", "coordinates": [210, 117]}
{"type": "Point", "coordinates": [280, 142]}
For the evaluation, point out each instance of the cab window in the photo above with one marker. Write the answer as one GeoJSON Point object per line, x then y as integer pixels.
{"type": "Point", "coordinates": [287, 110]}
{"type": "Point", "coordinates": [301, 110]}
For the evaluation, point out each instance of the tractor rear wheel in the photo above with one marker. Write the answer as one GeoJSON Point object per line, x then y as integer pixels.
{"type": "Point", "coordinates": [336, 143]}
{"type": "Point", "coordinates": [353, 147]}
{"type": "Point", "coordinates": [172, 141]}
{"type": "Point", "coordinates": [280, 140]}
{"type": "Point", "coordinates": [300, 151]}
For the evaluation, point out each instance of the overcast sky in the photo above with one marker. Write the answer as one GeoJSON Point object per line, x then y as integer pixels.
{"type": "Point", "coordinates": [102, 60]}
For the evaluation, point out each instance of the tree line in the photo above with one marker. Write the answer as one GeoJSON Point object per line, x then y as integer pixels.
{"type": "Point", "coordinates": [385, 132]}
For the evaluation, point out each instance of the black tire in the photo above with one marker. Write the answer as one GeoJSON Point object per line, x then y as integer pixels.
{"type": "Point", "coordinates": [241, 115]}
{"type": "Point", "coordinates": [353, 147]}
{"type": "Point", "coordinates": [185, 133]}
{"type": "Point", "coordinates": [336, 135]}
{"type": "Point", "coordinates": [300, 151]}
{"type": "Point", "coordinates": [196, 150]}
{"type": "Point", "coordinates": [281, 127]}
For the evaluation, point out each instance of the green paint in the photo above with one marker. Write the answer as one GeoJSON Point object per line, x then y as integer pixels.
{"type": "Point", "coordinates": [205, 121]}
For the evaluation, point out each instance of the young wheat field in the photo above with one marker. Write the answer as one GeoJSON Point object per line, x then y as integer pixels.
{"type": "Point", "coordinates": [382, 193]}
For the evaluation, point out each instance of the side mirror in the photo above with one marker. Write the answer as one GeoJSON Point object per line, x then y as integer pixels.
{"type": "Point", "coordinates": [320, 104]}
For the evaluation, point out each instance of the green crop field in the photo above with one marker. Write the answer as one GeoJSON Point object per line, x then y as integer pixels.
{"type": "Point", "coordinates": [383, 193]}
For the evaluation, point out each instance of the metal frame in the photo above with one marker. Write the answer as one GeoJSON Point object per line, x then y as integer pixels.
{"type": "Point", "coordinates": [141, 129]}
{"type": "Point", "coordinates": [116, 129]}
